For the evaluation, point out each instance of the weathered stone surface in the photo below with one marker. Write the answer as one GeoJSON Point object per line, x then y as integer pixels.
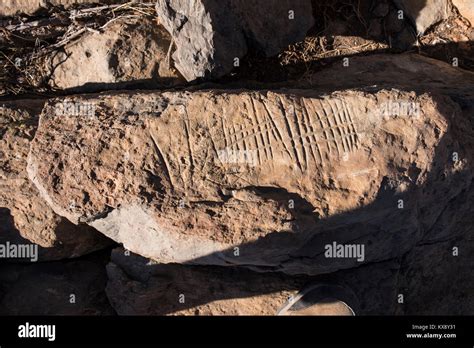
{"type": "Point", "coordinates": [466, 9]}
{"type": "Point", "coordinates": [128, 51]}
{"type": "Point", "coordinates": [138, 286]}
{"type": "Point", "coordinates": [436, 275]}
{"type": "Point", "coordinates": [188, 177]}
{"type": "Point", "coordinates": [24, 216]}
{"type": "Point", "coordinates": [211, 34]}
{"type": "Point", "coordinates": [432, 280]}
{"type": "Point", "coordinates": [401, 71]}
{"type": "Point", "coordinates": [46, 288]}
{"type": "Point", "coordinates": [15, 7]}
{"type": "Point", "coordinates": [424, 13]}
{"type": "Point", "coordinates": [437, 283]}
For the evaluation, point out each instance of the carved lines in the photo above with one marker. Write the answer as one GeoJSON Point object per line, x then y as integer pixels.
{"type": "Point", "coordinates": [310, 131]}
{"type": "Point", "coordinates": [307, 129]}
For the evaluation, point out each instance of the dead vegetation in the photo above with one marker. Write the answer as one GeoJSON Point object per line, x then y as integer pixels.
{"type": "Point", "coordinates": [26, 42]}
{"type": "Point", "coordinates": [343, 29]}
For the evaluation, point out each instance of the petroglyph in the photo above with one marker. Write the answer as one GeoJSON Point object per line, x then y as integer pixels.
{"type": "Point", "coordinates": [304, 131]}
{"type": "Point", "coordinates": [210, 170]}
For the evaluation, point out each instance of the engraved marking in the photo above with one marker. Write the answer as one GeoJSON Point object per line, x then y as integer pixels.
{"type": "Point", "coordinates": [253, 115]}
{"type": "Point", "coordinates": [213, 142]}
{"type": "Point", "coordinates": [348, 125]}
{"type": "Point", "coordinates": [236, 140]}
{"type": "Point", "coordinates": [165, 161]}
{"type": "Point", "coordinates": [224, 129]}
{"type": "Point", "coordinates": [354, 137]}
{"type": "Point", "coordinates": [257, 126]}
{"type": "Point", "coordinates": [310, 131]}
{"type": "Point", "coordinates": [330, 125]}
{"type": "Point", "coordinates": [291, 134]}
{"type": "Point", "coordinates": [320, 119]}
{"type": "Point", "coordinates": [337, 113]}
{"type": "Point", "coordinates": [253, 133]}
{"type": "Point", "coordinates": [276, 129]}
{"type": "Point", "coordinates": [300, 134]}
{"type": "Point", "coordinates": [342, 126]}
{"type": "Point", "coordinates": [188, 136]}
{"type": "Point", "coordinates": [269, 139]}
{"type": "Point", "coordinates": [315, 128]}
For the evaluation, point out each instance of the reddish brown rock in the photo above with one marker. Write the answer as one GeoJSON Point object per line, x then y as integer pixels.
{"type": "Point", "coordinates": [25, 216]}
{"type": "Point", "coordinates": [128, 51]}
{"type": "Point", "coordinates": [260, 179]}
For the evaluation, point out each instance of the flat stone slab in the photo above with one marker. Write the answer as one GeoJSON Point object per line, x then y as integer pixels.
{"type": "Point", "coordinates": [269, 180]}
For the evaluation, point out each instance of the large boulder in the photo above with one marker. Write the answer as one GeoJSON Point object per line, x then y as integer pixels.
{"type": "Point", "coordinates": [25, 217]}
{"type": "Point", "coordinates": [424, 13]}
{"type": "Point", "coordinates": [211, 34]}
{"type": "Point", "coordinates": [267, 180]}
{"type": "Point", "coordinates": [126, 52]}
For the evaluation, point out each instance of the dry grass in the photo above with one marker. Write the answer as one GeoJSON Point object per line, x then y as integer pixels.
{"type": "Point", "coordinates": [24, 46]}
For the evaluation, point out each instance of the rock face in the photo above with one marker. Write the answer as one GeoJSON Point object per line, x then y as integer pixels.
{"type": "Point", "coordinates": [128, 51]}
{"type": "Point", "coordinates": [424, 13]}
{"type": "Point", "coordinates": [436, 275]}
{"type": "Point", "coordinates": [74, 287]}
{"type": "Point", "coordinates": [399, 72]}
{"type": "Point", "coordinates": [266, 180]}
{"type": "Point", "coordinates": [25, 217]}
{"type": "Point", "coordinates": [434, 278]}
{"type": "Point", "coordinates": [137, 286]}
{"type": "Point", "coordinates": [466, 9]}
{"type": "Point", "coordinates": [211, 34]}
{"type": "Point", "coordinates": [15, 7]}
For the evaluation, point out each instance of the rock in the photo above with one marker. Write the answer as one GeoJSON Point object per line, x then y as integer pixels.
{"type": "Point", "coordinates": [46, 288]}
{"type": "Point", "coordinates": [439, 269]}
{"type": "Point", "coordinates": [466, 9]}
{"type": "Point", "coordinates": [137, 286]}
{"type": "Point", "coordinates": [405, 39]}
{"type": "Point", "coordinates": [443, 280]}
{"type": "Point", "coordinates": [426, 279]}
{"type": "Point", "coordinates": [266, 180]}
{"type": "Point", "coordinates": [25, 217]}
{"type": "Point", "coordinates": [424, 13]}
{"type": "Point", "coordinates": [381, 9]}
{"type": "Point", "coordinates": [399, 71]}
{"type": "Point", "coordinates": [211, 34]}
{"type": "Point", "coordinates": [393, 24]}
{"type": "Point", "coordinates": [375, 28]}
{"type": "Point", "coordinates": [16, 7]}
{"type": "Point", "coordinates": [127, 52]}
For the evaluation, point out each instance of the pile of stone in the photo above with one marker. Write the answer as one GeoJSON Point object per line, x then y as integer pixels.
{"type": "Point", "coordinates": [227, 201]}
